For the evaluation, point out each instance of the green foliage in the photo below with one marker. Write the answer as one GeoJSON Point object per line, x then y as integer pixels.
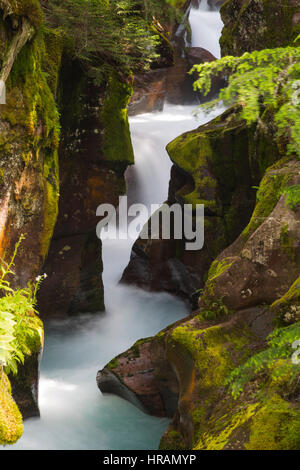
{"type": "Point", "coordinates": [107, 36]}
{"type": "Point", "coordinates": [292, 194]}
{"type": "Point", "coordinates": [276, 359]}
{"type": "Point", "coordinates": [258, 80]}
{"type": "Point", "coordinates": [14, 307]}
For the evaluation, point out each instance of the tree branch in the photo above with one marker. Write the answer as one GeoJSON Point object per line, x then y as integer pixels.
{"type": "Point", "coordinates": [23, 35]}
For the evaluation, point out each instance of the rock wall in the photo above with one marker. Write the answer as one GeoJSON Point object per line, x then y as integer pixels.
{"type": "Point", "coordinates": [95, 150]}
{"type": "Point", "coordinates": [29, 134]}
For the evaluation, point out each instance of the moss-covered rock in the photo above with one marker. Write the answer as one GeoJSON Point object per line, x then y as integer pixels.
{"type": "Point", "coordinates": [25, 383]}
{"type": "Point", "coordinates": [19, 393]}
{"type": "Point", "coordinates": [116, 143]}
{"type": "Point", "coordinates": [266, 253]}
{"type": "Point", "coordinates": [29, 144]}
{"type": "Point", "coordinates": [95, 150]}
{"type": "Point", "coordinates": [258, 24]}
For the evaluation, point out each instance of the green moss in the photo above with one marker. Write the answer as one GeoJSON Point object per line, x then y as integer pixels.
{"type": "Point", "coordinates": [276, 426]}
{"type": "Point", "coordinates": [224, 427]}
{"type": "Point", "coordinates": [33, 117]}
{"type": "Point", "coordinates": [116, 144]}
{"type": "Point", "coordinates": [133, 352]}
{"type": "Point", "coordinates": [172, 441]}
{"type": "Point", "coordinates": [268, 194]}
{"type": "Point", "coordinates": [214, 351]}
{"type": "Point", "coordinates": [31, 334]}
{"type": "Point", "coordinates": [292, 195]}
{"type": "Point", "coordinates": [11, 425]}
{"type": "Point", "coordinates": [192, 152]}
{"type": "Point", "coordinates": [113, 364]}
{"type": "Point", "coordinates": [219, 267]}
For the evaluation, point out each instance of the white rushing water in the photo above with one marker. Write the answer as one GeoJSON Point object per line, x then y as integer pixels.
{"type": "Point", "coordinates": [206, 26]}
{"type": "Point", "coordinates": [74, 414]}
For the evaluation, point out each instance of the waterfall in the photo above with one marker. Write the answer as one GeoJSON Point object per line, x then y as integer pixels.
{"type": "Point", "coordinates": [74, 414]}
{"type": "Point", "coordinates": [206, 26]}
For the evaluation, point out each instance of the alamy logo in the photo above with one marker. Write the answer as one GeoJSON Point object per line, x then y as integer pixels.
{"type": "Point", "coordinates": [2, 92]}
{"type": "Point", "coordinates": [166, 222]}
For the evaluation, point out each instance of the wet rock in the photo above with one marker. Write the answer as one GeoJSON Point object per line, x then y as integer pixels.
{"type": "Point", "coordinates": [25, 386]}
{"type": "Point", "coordinates": [142, 376]}
{"type": "Point", "coordinates": [198, 55]}
{"type": "Point", "coordinates": [149, 92]}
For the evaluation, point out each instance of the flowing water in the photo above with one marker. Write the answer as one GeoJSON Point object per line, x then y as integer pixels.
{"type": "Point", "coordinates": [74, 414]}
{"type": "Point", "coordinates": [206, 26]}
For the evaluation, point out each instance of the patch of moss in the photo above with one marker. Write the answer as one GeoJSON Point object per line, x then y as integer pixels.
{"type": "Point", "coordinates": [116, 143]}
{"type": "Point", "coordinates": [11, 424]}
{"type": "Point", "coordinates": [268, 194]}
{"type": "Point", "coordinates": [113, 364]}
{"type": "Point", "coordinates": [172, 441]}
{"type": "Point", "coordinates": [276, 426]}
{"type": "Point", "coordinates": [214, 350]}
{"type": "Point", "coordinates": [192, 153]}
{"type": "Point", "coordinates": [224, 427]}
{"type": "Point", "coordinates": [219, 267]}
{"type": "Point", "coordinates": [32, 115]}
{"type": "Point", "coordinates": [292, 195]}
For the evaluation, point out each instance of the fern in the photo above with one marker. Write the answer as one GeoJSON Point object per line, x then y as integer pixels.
{"type": "Point", "coordinates": [258, 80]}
{"type": "Point", "coordinates": [14, 307]}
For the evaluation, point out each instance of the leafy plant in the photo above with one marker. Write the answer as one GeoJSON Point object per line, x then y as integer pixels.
{"type": "Point", "coordinates": [117, 35]}
{"type": "Point", "coordinates": [292, 194]}
{"type": "Point", "coordinates": [14, 307]}
{"type": "Point", "coordinates": [276, 359]}
{"type": "Point", "coordinates": [256, 81]}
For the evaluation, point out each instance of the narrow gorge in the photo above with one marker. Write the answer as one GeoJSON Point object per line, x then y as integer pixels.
{"type": "Point", "coordinates": [121, 344]}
